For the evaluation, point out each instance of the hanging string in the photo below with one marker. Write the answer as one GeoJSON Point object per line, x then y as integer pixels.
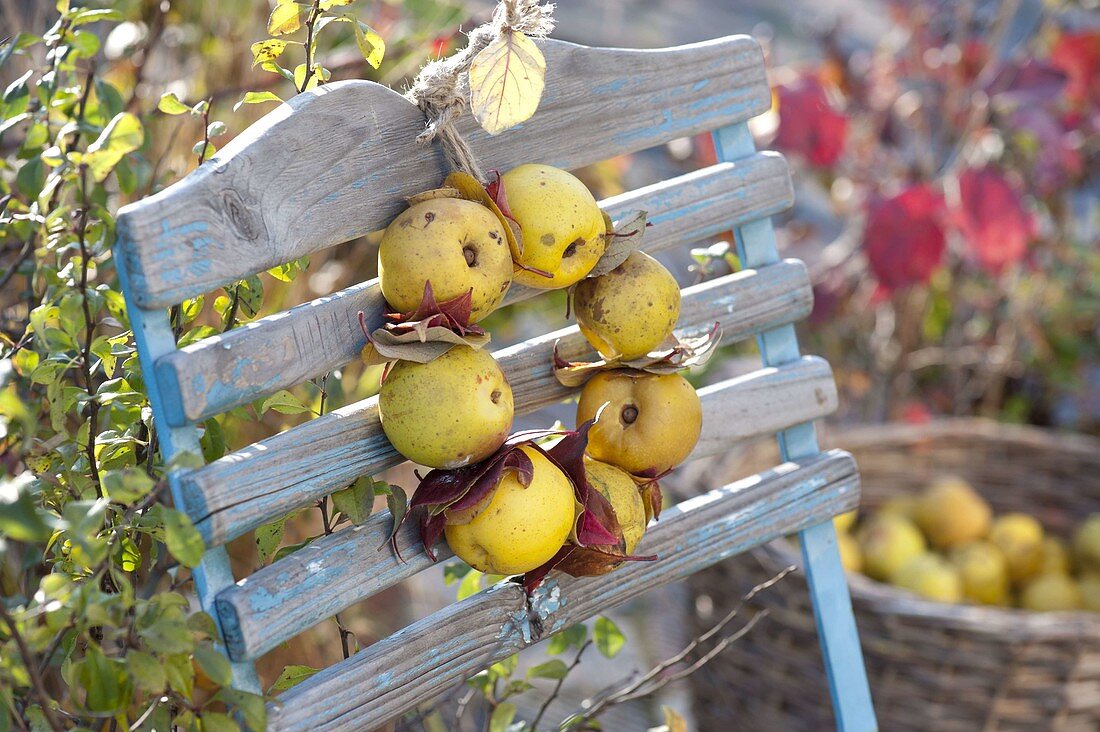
{"type": "Point", "coordinates": [442, 88]}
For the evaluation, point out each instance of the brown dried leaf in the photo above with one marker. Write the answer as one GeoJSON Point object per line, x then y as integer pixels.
{"type": "Point", "coordinates": [415, 345]}
{"type": "Point", "coordinates": [471, 189]}
{"type": "Point", "coordinates": [676, 354]}
{"type": "Point", "coordinates": [622, 239]}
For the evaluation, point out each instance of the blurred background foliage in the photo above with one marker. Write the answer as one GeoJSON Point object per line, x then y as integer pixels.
{"type": "Point", "coordinates": [945, 163]}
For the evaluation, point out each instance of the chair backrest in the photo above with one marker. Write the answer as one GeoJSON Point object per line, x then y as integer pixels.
{"type": "Point", "coordinates": [336, 163]}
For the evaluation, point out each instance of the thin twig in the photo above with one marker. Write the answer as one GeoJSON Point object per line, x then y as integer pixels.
{"type": "Point", "coordinates": [23, 254]}
{"type": "Point", "coordinates": [557, 687]}
{"type": "Point", "coordinates": [32, 671]}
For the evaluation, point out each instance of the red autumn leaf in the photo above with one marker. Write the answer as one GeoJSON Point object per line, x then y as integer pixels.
{"type": "Point", "coordinates": [904, 237]}
{"type": "Point", "coordinates": [453, 314]}
{"type": "Point", "coordinates": [597, 524]}
{"type": "Point", "coordinates": [1078, 55]}
{"type": "Point", "coordinates": [809, 125]}
{"type": "Point", "coordinates": [992, 219]}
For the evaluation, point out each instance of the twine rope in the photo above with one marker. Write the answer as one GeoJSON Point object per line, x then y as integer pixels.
{"type": "Point", "coordinates": [442, 88]}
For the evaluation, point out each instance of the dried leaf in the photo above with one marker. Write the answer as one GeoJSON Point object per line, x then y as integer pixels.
{"type": "Point", "coordinates": [398, 504]}
{"type": "Point", "coordinates": [676, 354]}
{"type": "Point", "coordinates": [596, 523]}
{"type": "Point", "coordinates": [471, 189]}
{"type": "Point", "coordinates": [622, 239]}
{"type": "Point", "coordinates": [415, 346]}
{"type": "Point", "coordinates": [506, 81]}
{"type": "Point", "coordinates": [433, 194]}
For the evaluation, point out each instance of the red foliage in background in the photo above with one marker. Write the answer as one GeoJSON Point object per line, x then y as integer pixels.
{"type": "Point", "coordinates": [904, 238]}
{"type": "Point", "coordinates": [1078, 55]}
{"type": "Point", "coordinates": [992, 219]}
{"type": "Point", "coordinates": [809, 125]}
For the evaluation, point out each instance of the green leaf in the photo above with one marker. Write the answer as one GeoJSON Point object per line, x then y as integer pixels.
{"type": "Point", "coordinates": [127, 485]}
{"type": "Point", "coordinates": [574, 635]}
{"type": "Point", "coordinates": [398, 503]}
{"type": "Point", "coordinates": [502, 717]}
{"type": "Point", "coordinates": [609, 639]}
{"type": "Point", "coordinates": [292, 675]}
{"type": "Point", "coordinates": [183, 539]}
{"type": "Point", "coordinates": [147, 671]}
{"type": "Point", "coordinates": [212, 441]}
{"type": "Point", "coordinates": [93, 15]}
{"type": "Point", "coordinates": [284, 19]}
{"type": "Point", "coordinates": [264, 51]}
{"type": "Point", "coordinates": [286, 551]}
{"type": "Point", "coordinates": [214, 665]}
{"type": "Point", "coordinates": [269, 536]}
{"type": "Point", "coordinates": [469, 585]}
{"type": "Point", "coordinates": [454, 571]}
{"type": "Point", "coordinates": [250, 706]}
{"type": "Point", "coordinates": [253, 97]}
{"type": "Point", "coordinates": [121, 136]}
{"type": "Point", "coordinates": [215, 129]}
{"type": "Point", "coordinates": [283, 402]}
{"type": "Point", "coordinates": [164, 630]}
{"type": "Point", "coordinates": [553, 669]}
{"type": "Point", "coordinates": [105, 681]}
{"type": "Point", "coordinates": [170, 104]}
{"type": "Point", "coordinates": [217, 722]}
{"type": "Point", "coordinates": [19, 517]}
{"type": "Point", "coordinates": [356, 501]}
{"type": "Point", "coordinates": [180, 673]}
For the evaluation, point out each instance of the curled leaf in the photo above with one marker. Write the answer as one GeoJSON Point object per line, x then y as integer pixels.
{"type": "Point", "coordinates": [506, 81]}
{"type": "Point", "coordinates": [471, 189]}
{"type": "Point", "coordinates": [622, 239]}
{"type": "Point", "coordinates": [433, 194]}
{"type": "Point", "coordinates": [426, 333]}
{"type": "Point", "coordinates": [676, 354]}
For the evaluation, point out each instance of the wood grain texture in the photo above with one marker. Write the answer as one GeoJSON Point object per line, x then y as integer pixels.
{"type": "Point", "coordinates": [258, 483]}
{"type": "Point", "coordinates": [335, 163]}
{"type": "Point", "coordinates": [429, 656]}
{"type": "Point", "coordinates": [279, 351]}
{"type": "Point", "coordinates": [333, 572]}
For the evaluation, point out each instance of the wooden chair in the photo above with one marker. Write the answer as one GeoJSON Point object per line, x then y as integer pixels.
{"type": "Point", "coordinates": [336, 163]}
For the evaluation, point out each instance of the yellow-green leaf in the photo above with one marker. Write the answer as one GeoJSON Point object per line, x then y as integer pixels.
{"type": "Point", "coordinates": [183, 539]}
{"type": "Point", "coordinates": [285, 18]}
{"type": "Point", "coordinates": [269, 50]}
{"type": "Point", "coordinates": [122, 135]}
{"type": "Point", "coordinates": [170, 104]}
{"type": "Point", "coordinates": [370, 44]}
{"type": "Point", "coordinates": [256, 98]}
{"type": "Point", "coordinates": [292, 675]}
{"type": "Point", "coordinates": [330, 4]}
{"type": "Point", "coordinates": [506, 82]}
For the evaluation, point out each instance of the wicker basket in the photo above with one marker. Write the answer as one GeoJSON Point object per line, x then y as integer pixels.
{"type": "Point", "coordinates": [932, 666]}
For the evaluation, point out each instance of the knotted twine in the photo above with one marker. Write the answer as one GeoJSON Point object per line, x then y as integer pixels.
{"type": "Point", "coordinates": [442, 89]}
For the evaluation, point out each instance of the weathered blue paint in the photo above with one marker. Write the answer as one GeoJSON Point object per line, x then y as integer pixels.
{"type": "Point", "coordinates": [836, 628]}
{"type": "Point", "coordinates": [154, 337]}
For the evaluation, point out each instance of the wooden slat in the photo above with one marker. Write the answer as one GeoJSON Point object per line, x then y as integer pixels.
{"type": "Point", "coordinates": [246, 488]}
{"type": "Point", "coordinates": [431, 655]}
{"type": "Point", "coordinates": [335, 163]}
{"type": "Point", "coordinates": [320, 580]}
{"type": "Point", "coordinates": [279, 351]}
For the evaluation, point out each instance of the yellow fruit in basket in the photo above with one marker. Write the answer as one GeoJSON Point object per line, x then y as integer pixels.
{"type": "Point", "coordinates": [1056, 558]}
{"type": "Point", "coordinates": [458, 245]}
{"type": "Point", "coordinates": [845, 521]}
{"type": "Point", "coordinates": [851, 558]}
{"type": "Point", "coordinates": [650, 424]}
{"type": "Point", "coordinates": [983, 571]}
{"type": "Point", "coordinates": [1086, 543]}
{"type": "Point", "coordinates": [629, 311]}
{"type": "Point", "coordinates": [888, 542]}
{"type": "Point", "coordinates": [449, 412]}
{"type": "Point", "coordinates": [930, 576]}
{"type": "Point", "coordinates": [622, 492]}
{"type": "Point", "coordinates": [563, 228]}
{"type": "Point", "coordinates": [951, 513]}
{"type": "Point", "coordinates": [1020, 539]}
{"type": "Point", "coordinates": [522, 527]}
{"type": "Point", "coordinates": [1051, 592]}
{"type": "Point", "coordinates": [1090, 592]}
{"type": "Point", "coordinates": [904, 505]}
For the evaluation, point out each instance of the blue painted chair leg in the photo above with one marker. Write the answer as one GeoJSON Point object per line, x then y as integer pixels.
{"type": "Point", "coordinates": [153, 333]}
{"type": "Point", "coordinates": [836, 627]}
